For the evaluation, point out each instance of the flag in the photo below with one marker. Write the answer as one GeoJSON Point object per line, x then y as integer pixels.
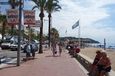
{"type": "Point", "coordinates": [75, 25]}
{"type": "Point", "coordinates": [66, 31]}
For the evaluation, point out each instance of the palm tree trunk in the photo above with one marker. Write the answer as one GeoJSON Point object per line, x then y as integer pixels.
{"type": "Point", "coordinates": [41, 32]}
{"type": "Point", "coordinates": [49, 36]}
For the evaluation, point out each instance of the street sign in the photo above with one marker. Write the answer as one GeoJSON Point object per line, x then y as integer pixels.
{"type": "Point", "coordinates": [13, 17]}
{"type": "Point", "coordinates": [29, 17]}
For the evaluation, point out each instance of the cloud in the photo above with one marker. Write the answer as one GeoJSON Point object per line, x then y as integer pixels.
{"type": "Point", "coordinates": [92, 15]}
{"type": "Point", "coordinates": [96, 17]}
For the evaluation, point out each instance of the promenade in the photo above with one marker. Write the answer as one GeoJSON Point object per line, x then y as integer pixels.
{"type": "Point", "coordinates": [45, 65]}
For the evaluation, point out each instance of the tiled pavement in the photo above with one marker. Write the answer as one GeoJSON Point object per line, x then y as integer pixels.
{"type": "Point", "coordinates": [45, 65]}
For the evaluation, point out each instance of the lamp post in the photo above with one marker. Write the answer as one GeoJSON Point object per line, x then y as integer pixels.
{"type": "Point", "coordinates": [19, 33]}
{"type": "Point", "coordinates": [19, 28]}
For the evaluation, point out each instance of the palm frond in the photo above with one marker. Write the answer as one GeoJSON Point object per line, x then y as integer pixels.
{"type": "Point", "coordinates": [2, 18]}
{"type": "Point", "coordinates": [37, 2]}
{"type": "Point", "coordinates": [56, 7]}
{"type": "Point", "coordinates": [35, 7]}
{"type": "Point", "coordinates": [43, 3]}
{"type": "Point", "coordinates": [40, 3]}
{"type": "Point", "coordinates": [52, 6]}
{"type": "Point", "coordinates": [13, 3]}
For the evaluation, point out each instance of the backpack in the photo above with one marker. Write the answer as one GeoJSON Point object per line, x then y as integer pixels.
{"type": "Point", "coordinates": [77, 50]}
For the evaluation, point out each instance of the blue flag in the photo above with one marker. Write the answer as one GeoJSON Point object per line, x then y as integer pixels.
{"type": "Point", "coordinates": [75, 25]}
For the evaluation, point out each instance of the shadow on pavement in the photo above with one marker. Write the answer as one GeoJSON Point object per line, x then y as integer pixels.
{"type": "Point", "coordinates": [10, 66]}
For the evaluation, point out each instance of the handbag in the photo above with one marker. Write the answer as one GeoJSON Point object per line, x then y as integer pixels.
{"type": "Point", "coordinates": [108, 69]}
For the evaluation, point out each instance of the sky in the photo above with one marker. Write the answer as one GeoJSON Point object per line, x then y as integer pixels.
{"type": "Point", "coordinates": [96, 19]}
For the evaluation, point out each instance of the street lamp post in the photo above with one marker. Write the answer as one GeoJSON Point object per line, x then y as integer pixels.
{"type": "Point", "coordinates": [19, 33]}
{"type": "Point", "coordinates": [19, 28]}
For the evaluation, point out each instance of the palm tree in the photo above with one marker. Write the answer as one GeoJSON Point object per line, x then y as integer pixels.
{"type": "Point", "coordinates": [31, 34]}
{"type": "Point", "coordinates": [51, 6]}
{"type": "Point", "coordinates": [40, 4]}
{"type": "Point", "coordinates": [54, 35]}
{"type": "Point", "coordinates": [3, 21]}
{"type": "Point", "coordinates": [13, 4]}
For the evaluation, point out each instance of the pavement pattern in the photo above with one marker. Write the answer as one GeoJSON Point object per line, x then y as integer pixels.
{"type": "Point", "coordinates": [45, 65]}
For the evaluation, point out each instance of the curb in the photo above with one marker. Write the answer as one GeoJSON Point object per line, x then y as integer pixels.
{"type": "Point", "coordinates": [6, 64]}
{"type": "Point", "coordinates": [82, 68]}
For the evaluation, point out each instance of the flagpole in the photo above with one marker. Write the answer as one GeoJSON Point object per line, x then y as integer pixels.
{"type": "Point", "coordinates": [66, 32]}
{"type": "Point", "coordinates": [74, 26]}
{"type": "Point", "coordinates": [79, 31]}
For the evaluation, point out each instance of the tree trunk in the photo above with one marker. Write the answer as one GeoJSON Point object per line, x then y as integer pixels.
{"type": "Point", "coordinates": [49, 28]}
{"type": "Point", "coordinates": [41, 15]}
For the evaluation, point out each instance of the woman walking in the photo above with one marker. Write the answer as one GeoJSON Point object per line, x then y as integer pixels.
{"type": "Point", "coordinates": [60, 48]}
{"type": "Point", "coordinates": [54, 50]}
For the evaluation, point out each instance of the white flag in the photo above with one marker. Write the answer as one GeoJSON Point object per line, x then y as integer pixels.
{"type": "Point", "coordinates": [75, 25]}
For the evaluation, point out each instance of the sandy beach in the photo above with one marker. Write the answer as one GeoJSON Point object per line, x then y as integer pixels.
{"type": "Point", "coordinates": [90, 52]}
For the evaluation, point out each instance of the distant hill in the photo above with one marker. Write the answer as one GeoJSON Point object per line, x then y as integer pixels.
{"type": "Point", "coordinates": [85, 40]}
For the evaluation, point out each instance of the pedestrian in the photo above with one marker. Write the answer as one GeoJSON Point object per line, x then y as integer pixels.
{"type": "Point", "coordinates": [54, 50]}
{"type": "Point", "coordinates": [60, 48]}
{"type": "Point", "coordinates": [71, 49]}
{"type": "Point", "coordinates": [27, 50]}
{"type": "Point", "coordinates": [104, 65]}
{"type": "Point", "coordinates": [33, 50]}
{"type": "Point", "coordinates": [95, 62]}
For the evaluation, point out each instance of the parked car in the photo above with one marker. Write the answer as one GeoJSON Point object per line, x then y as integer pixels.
{"type": "Point", "coordinates": [35, 41]}
{"type": "Point", "coordinates": [14, 46]}
{"type": "Point", "coordinates": [5, 44]}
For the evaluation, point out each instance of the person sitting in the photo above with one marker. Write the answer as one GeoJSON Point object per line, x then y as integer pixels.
{"type": "Point", "coordinates": [95, 62]}
{"type": "Point", "coordinates": [104, 65]}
